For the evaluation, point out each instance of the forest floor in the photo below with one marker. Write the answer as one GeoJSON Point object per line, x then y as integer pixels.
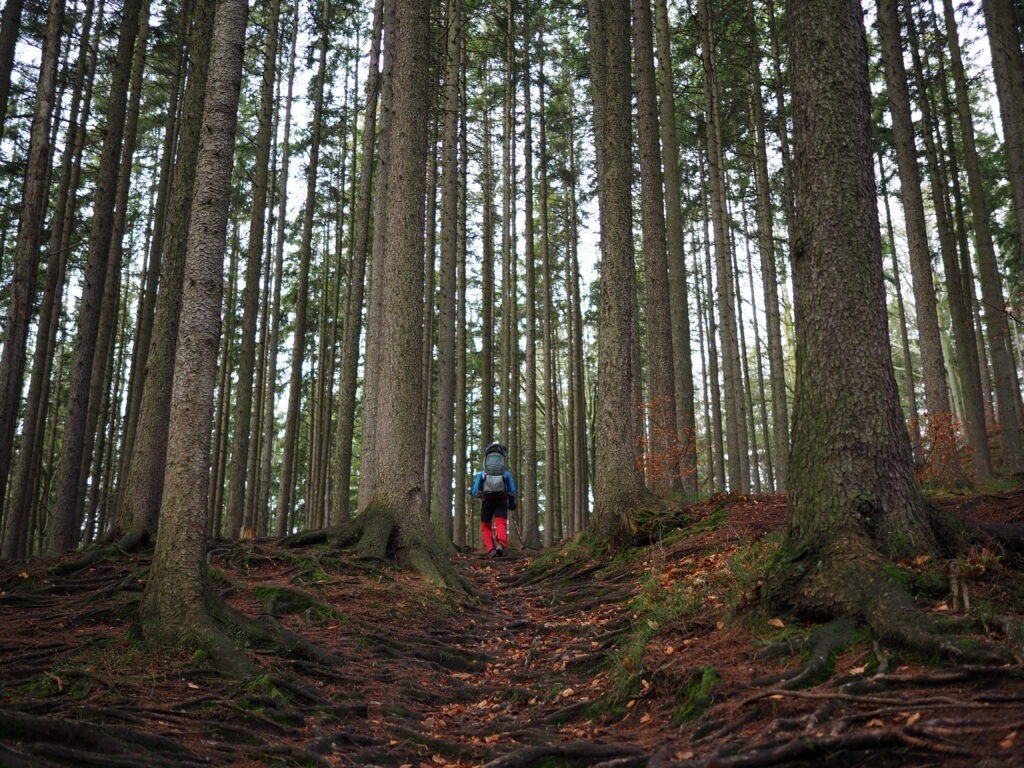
{"type": "Point", "coordinates": [661, 658]}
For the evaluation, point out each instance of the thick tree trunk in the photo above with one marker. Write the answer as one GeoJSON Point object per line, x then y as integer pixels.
{"type": "Point", "coordinates": [391, 518]}
{"type": "Point", "coordinates": [618, 486]}
{"type": "Point", "coordinates": [174, 608]}
{"type": "Point", "coordinates": [852, 490]}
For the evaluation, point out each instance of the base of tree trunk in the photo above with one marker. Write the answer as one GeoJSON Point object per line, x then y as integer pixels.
{"type": "Point", "coordinates": [380, 534]}
{"type": "Point", "coordinates": [850, 579]}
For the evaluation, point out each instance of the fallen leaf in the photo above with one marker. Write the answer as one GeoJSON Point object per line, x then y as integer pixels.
{"type": "Point", "coordinates": [669, 650]}
{"type": "Point", "coordinates": [646, 718]}
{"type": "Point", "coordinates": [567, 693]}
{"type": "Point", "coordinates": [858, 670]}
{"type": "Point", "coordinates": [1009, 741]}
{"type": "Point", "coordinates": [777, 623]}
{"type": "Point", "coordinates": [913, 718]}
{"type": "Point", "coordinates": [23, 575]}
{"type": "Point", "coordinates": [193, 686]}
{"type": "Point", "coordinates": [875, 723]}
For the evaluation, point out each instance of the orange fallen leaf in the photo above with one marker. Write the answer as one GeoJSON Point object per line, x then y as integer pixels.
{"type": "Point", "coordinates": [777, 623]}
{"type": "Point", "coordinates": [1009, 741]}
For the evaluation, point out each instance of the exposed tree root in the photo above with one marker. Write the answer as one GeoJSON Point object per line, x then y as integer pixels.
{"type": "Point", "coordinates": [131, 542]}
{"type": "Point", "coordinates": [824, 643]}
{"type": "Point", "coordinates": [528, 757]}
{"type": "Point", "coordinates": [93, 743]}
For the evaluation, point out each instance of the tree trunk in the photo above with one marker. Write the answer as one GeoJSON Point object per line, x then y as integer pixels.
{"type": "Point", "coordinates": [10, 28]}
{"type": "Point", "coordinates": [552, 502]}
{"type": "Point", "coordinates": [286, 494]}
{"type": "Point", "coordinates": [140, 506]}
{"type": "Point", "coordinates": [852, 490]}
{"type": "Point", "coordinates": [996, 323]}
{"type": "Point", "coordinates": [487, 284]}
{"type": "Point", "coordinates": [528, 495]}
{"type": "Point", "coordinates": [677, 275]}
{"type": "Point", "coordinates": [662, 458]}
{"type": "Point", "coordinates": [448, 282]}
{"type": "Point", "coordinates": [965, 356]}
{"type": "Point", "coordinates": [769, 278]}
{"type": "Point", "coordinates": [240, 444]}
{"type": "Point", "coordinates": [30, 456]}
{"type": "Point", "coordinates": [910, 389]}
{"type": "Point", "coordinates": [174, 606]}
{"type": "Point", "coordinates": [618, 486]}
{"type": "Point", "coordinates": [944, 457]}
{"type": "Point", "coordinates": [391, 519]}
{"type": "Point", "coordinates": [357, 281]}
{"type": "Point", "coordinates": [27, 250]}
{"type": "Point", "coordinates": [735, 426]}
{"type": "Point", "coordinates": [65, 534]}
{"type": "Point", "coordinates": [1007, 50]}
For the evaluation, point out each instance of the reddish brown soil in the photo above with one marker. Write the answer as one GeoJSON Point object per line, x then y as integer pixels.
{"type": "Point", "coordinates": [581, 666]}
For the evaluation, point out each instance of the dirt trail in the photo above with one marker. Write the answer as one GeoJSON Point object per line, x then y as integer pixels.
{"type": "Point", "coordinates": [539, 652]}
{"type": "Point", "coordinates": [643, 664]}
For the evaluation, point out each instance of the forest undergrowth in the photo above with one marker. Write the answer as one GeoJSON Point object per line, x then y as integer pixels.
{"type": "Point", "coordinates": [662, 657]}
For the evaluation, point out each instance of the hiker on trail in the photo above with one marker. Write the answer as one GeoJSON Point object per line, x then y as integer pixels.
{"type": "Point", "coordinates": [496, 489]}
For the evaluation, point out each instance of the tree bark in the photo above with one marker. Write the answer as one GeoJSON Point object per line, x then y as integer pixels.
{"type": "Point", "coordinates": [852, 489]}
{"type": "Point", "coordinates": [662, 458]}
{"type": "Point", "coordinates": [240, 444]}
{"type": "Point", "coordinates": [679, 301]}
{"type": "Point", "coordinates": [769, 278]}
{"type": "Point", "coordinates": [357, 281]}
{"type": "Point", "coordinates": [174, 607]}
{"type": "Point", "coordinates": [448, 282]}
{"type": "Point", "coordinates": [140, 506]}
{"type": "Point", "coordinates": [735, 423]}
{"type": "Point", "coordinates": [618, 486]}
{"type": "Point", "coordinates": [528, 495]}
{"type": "Point", "coordinates": [391, 517]}
{"type": "Point", "coordinates": [286, 494]}
{"type": "Point", "coordinates": [27, 249]}
{"type": "Point", "coordinates": [965, 356]}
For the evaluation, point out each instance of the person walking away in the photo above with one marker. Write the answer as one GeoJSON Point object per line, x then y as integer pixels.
{"type": "Point", "coordinates": [496, 490]}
